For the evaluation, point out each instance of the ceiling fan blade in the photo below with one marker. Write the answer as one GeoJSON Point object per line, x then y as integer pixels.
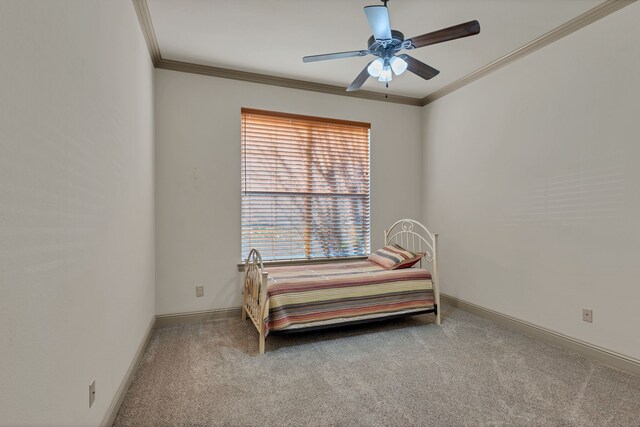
{"type": "Point", "coordinates": [359, 81]}
{"type": "Point", "coordinates": [337, 55]}
{"type": "Point", "coordinates": [459, 31]}
{"type": "Point", "coordinates": [378, 17]}
{"type": "Point", "coordinates": [419, 68]}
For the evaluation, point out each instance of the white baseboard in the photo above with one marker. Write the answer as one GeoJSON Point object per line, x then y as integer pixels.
{"type": "Point", "coordinates": [110, 416]}
{"type": "Point", "coordinates": [197, 316]}
{"type": "Point", "coordinates": [608, 357]}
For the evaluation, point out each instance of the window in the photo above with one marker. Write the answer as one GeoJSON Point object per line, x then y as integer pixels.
{"type": "Point", "coordinates": [305, 186]}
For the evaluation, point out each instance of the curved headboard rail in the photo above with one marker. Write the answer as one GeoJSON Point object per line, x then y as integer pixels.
{"type": "Point", "coordinates": [415, 237]}
{"type": "Point", "coordinates": [253, 283]}
{"type": "Point", "coordinates": [254, 258]}
{"type": "Point", "coordinates": [412, 236]}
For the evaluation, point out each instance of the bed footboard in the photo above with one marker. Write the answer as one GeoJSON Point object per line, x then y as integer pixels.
{"type": "Point", "coordinates": [254, 294]}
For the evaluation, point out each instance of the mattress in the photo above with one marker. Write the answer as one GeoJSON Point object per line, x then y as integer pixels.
{"type": "Point", "coordinates": [306, 296]}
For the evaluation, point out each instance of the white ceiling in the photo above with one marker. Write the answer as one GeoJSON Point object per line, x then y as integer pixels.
{"type": "Point", "coordinates": [272, 36]}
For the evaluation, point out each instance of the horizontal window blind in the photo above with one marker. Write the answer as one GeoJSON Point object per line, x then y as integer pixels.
{"type": "Point", "coordinates": [305, 186]}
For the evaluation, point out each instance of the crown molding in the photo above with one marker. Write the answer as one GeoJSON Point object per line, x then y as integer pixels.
{"type": "Point", "coordinates": [144, 18]}
{"type": "Point", "coordinates": [146, 24]}
{"type": "Point", "coordinates": [225, 73]}
{"type": "Point", "coordinates": [581, 21]}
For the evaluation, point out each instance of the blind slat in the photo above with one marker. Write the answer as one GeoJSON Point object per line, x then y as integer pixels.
{"type": "Point", "coordinates": [305, 186]}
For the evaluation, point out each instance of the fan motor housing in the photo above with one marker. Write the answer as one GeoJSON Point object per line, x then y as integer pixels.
{"type": "Point", "coordinates": [378, 48]}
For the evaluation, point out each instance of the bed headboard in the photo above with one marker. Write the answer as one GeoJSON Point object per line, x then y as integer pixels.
{"type": "Point", "coordinates": [414, 237]}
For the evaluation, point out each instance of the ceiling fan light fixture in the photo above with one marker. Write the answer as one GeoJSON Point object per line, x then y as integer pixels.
{"type": "Point", "coordinates": [385, 43]}
{"type": "Point", "coordinates": [375, 68]}
{"type": "Point", "coordinates": [385, 75]}
{"type": "Point", "coordinates": [398, 65]}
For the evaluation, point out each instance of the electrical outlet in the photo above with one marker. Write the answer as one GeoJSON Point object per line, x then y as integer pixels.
{"type": "Point", "coordinates": [92, 393]}
{"type": "Point", "coordinates": [199, 291]}
{"type": "Point", "coordinates": [587, 315]}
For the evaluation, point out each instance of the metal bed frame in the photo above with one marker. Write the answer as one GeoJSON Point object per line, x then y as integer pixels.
{"type": "Point", "coordinates": [408, 233]}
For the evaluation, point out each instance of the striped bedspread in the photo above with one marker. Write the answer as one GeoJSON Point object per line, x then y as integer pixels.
{"type": "Point", "coordinates": [321, 294]}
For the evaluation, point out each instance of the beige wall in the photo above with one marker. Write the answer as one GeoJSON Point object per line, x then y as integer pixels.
{"type": "Point", "coordinates": [529, 175]}
{"type": "Point", "coordinates": [532, 180]}
{"type": "Point", "coordinates": [198, 176]}
{"type": "Point", "coordinates": [76, 206]}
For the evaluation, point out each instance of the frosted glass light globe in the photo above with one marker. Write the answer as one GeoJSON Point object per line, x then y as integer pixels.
{"type": "Point", "coordinates": [375, 68]}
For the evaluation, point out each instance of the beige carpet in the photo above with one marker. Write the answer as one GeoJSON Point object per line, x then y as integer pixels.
{"type": "Point", "coordinates": [469, 371]}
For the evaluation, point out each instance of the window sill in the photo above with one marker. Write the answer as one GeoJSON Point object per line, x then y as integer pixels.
{"type": "Point", "coordinates": [306, 261]}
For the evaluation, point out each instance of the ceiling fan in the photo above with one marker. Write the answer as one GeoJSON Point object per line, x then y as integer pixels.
{"type": "Point", "coordinates": [386, 43]}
